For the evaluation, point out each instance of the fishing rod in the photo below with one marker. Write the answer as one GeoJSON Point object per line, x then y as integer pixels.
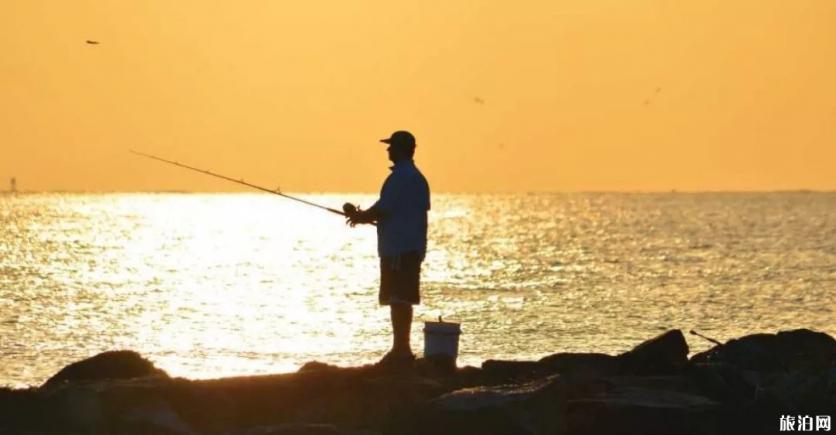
{"type": "Point", "coordinates": [705, 338]}
{"type": "Point", "coordinates": [242, 182]}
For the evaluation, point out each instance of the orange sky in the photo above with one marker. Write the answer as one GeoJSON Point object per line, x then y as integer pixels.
{"type": "Point", "coordinates": [297, 93]}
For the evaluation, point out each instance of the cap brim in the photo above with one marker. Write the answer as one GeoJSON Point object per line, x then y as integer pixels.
{"type": "Point", "coordinates": [387, 140]}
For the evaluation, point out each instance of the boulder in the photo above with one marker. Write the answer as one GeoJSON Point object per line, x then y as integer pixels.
{"type": "Point", "coordinates": [752, 352]}
{"type": "Point", "coordinates": [787, 350]}
{"type": "Point", "coordinates": [152, 416]}
{"type": "Point", "coordinates": [724, 382]}
{"type": "Point", "coordinates": [666, 353]}
{"type": "Point", "coordinates": [122, 364]}
{"type": "Point", "coordinates": [315, 366]}
{"type": "Point", "coordinates": [436, 365]}
{"type": "Point", "coordinates": [584, 364]}
{"type": "Point", "coordinates": [802, 392]}
{"type": "Point", "coordinates": [290, 429]}
{"type": "Point", "coordinates": [73, 410]}
{"type": "Point", "coordinates": [529, 408]}
{"type": "Point", "coordinates": [804, 349]}
{"type": "Point", "coordinates": [504, 370]}
{"type": "Point", "coordinates": [631, 410]}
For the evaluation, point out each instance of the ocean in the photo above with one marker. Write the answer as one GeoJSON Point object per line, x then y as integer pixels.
{"type": "Point", "coordinates": [212, 285]}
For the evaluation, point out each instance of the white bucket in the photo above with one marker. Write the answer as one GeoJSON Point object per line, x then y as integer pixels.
{"type": "Point", "coordinates": [441, 338]}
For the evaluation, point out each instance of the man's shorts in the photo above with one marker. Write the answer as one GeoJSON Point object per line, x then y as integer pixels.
{"type": "Point", "coordinates": [400, 278]}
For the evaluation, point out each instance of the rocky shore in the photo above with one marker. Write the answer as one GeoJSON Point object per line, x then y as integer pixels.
{"type": "Point", "coordinates": [743, 386]}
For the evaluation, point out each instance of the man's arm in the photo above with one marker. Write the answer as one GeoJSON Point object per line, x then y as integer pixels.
{"type": "Point", "coordinates": [385, 204]}
{"type": "Point", "coordinates": [355, 215]}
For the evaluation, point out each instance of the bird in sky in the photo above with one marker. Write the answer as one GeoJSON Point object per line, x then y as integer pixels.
{"type": "Point", "coordinates": [91, 42]}
{"type": "Point", "coordinates": [649, 100]}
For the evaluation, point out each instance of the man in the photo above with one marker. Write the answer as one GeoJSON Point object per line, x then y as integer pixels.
{"type": "Point", "coordinates": [401, 218]}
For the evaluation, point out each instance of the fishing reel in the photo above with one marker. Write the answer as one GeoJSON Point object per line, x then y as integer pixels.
{"type": "Point", "coordinates": [350, 209]}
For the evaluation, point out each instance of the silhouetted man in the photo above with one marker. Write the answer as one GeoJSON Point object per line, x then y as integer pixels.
{"type": "Point", "coordinates": [401, 217]}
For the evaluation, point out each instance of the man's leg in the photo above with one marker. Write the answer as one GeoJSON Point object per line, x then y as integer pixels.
{"type": "Point", "coordinates": [401, 327]}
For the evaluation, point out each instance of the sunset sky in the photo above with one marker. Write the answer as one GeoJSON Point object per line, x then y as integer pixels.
{"type": "Point", "coordinates": [556, 95]}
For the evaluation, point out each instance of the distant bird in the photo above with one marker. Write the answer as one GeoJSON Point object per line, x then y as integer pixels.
{"type": "Point", "coordinates": [91, 42]}
{"type": "Point", "coordinates": [478, 100]}
{"type": "Point", "coordinates": [649, 100]}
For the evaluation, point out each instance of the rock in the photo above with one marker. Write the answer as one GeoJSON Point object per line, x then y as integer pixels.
{"type": "Point", "coordinates": [436, 365]}
{"type": "Point", "coordinates": [18, 407]}
{"type": "Point", "coordinates": [724, 382]}
{"type": "Point", "coordinates": [299, 429]}
{"type": "Point", "coordinates": [648, 390]}
{"type": "Point", "coordinates": [123, 364]}
{"type": "Point", "coordinates": [787, 350]}
{"type": "Point", "coordinates": [313, 366]}
{"type": "Point", "coordinates": [468, 399]}
{"type": "Point", "coordinates": [802, 392]}
{"type": "Point", "coordinates": [583, 364]}
{"type": "Point", "coordinates": [631, 410]}
{"type": "Point", "coordinates": [152, 417]}
{"type": "Point", "coordinates": [752, 352]}
{"type": "Point", "coordinates": [511, 370]}
{"type": "Point", "coordinates": [804, 349]}
{"type": "Point", "coordinates": [290, 429]}
{"type": "Point", "coordinates": [530, 408]}
{"type": "Point", "coordinates": [74, 410]}
{"type": "Point", "coordinates": [667, 353]}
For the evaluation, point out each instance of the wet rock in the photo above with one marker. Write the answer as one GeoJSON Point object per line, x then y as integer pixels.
{"type": "Point", "coordinates": [122, 364]}
{"type": "Point", "coordinates": [583, 364]}
{"type": "Point", "coordinates": [73, 410]}
{"type": "Point", "coordinates": [800, 349]}
{"type": "Point", "coordinates": [647, 390]}
{"type": "Point", "coordinates": [631, 410]}
{"type": "Point", "coordinates": [313, 366]}
{"type": "Point", "coordinates": [807, 350]}
{"type": "Point", "coordinates": [801, 392]}
{"type": "Point", "coordinates": [724, 382]}
{"type": "Point", "coordinates": [436, 365]}
{"type": "Point", "coordinates": [18, 407]}
{"type": "Point", "coordinates": [530, 408]}
{"type": "Point", "coordinates": [152, 417]}
{"type": "Point", "coordinates": [290, 429]}
{"type": "Point", "coordinates": [666, 353]}
{"type": "Point", "coordinates": [511, 370]}
{"type": "Point", "coordinates": [752, 352]}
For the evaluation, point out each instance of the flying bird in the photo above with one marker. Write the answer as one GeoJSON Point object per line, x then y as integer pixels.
{"type": "Point", "coordinates": [650, 99]}
{"type": "Point", "coordinates": [91, 42]}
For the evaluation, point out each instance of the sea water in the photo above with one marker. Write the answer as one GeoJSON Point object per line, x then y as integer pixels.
{"type": "Point", "coordinates": [211, 285]}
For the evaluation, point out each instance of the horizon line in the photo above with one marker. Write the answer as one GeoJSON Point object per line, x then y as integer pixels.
{"type": "Point", "coordinates": [443, 192]}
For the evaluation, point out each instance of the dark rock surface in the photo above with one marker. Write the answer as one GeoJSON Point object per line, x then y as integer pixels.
{"type": "Point", "coordinates": [667, 353]}
{"type": "Point", "coordinates": [786, 350]}
{"type": "Point", "coordinates": [120, 364]}
{"type": "Point", "coordinates": [740, 387]}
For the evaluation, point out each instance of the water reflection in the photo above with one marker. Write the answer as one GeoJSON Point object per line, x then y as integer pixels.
{"type": "Point", "coordinates": [217, 285]}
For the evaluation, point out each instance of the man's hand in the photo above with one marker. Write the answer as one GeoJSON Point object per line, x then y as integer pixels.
{"type": "Point", "coordinates": [352, 213]}
{"type": "Point", "coordinates": [355, 215]}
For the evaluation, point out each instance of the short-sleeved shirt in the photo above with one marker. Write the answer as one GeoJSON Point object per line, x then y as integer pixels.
{"type": "Point", "coordinates": [404, 201]}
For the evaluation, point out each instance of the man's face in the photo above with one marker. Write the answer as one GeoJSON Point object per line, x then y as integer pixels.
{"type": "Point", "coordinates": [397, 152]}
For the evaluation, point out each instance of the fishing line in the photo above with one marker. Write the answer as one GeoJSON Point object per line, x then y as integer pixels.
{"type": "Point", "coordinates": [241, 181]}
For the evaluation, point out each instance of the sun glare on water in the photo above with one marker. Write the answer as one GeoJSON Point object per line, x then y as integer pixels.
{"type": "Point", "coordinates": [211, 285]}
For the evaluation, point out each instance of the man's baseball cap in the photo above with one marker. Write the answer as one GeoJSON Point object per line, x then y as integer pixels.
{"type": "Point", "coordinates": [400, 137]}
